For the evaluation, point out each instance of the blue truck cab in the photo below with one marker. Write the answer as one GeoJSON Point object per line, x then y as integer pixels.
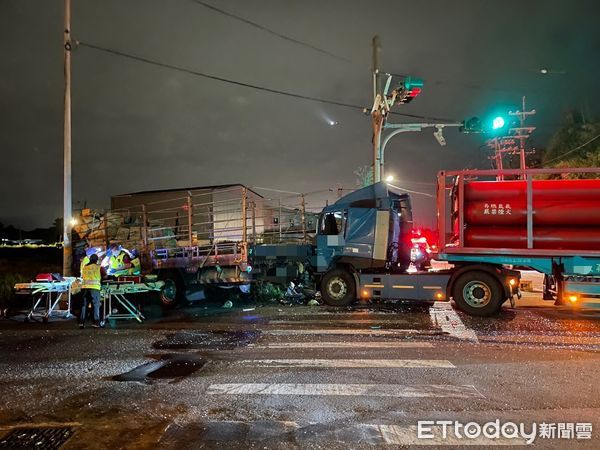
{"type": "Point", "coordinates": [361, 250]}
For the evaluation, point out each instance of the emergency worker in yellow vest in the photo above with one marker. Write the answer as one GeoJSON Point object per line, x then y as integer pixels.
{"type": "Point", "coordinates": [119, 261]}
{"type": "Point", "coordinates": [92, 277]}
{"type": "Point", "coordinates": [86, 259]}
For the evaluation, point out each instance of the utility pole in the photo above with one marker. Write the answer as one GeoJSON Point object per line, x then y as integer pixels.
{"type": "Point", "coordinates": [67, 205]}
{"type": "Point", "coordinates": [513, 143]}
{"type": "Point", "coordinates": [403, 91]}
{"type": "Point", "coordinates": [522, 132]}
{"type": "Point", "coordinates": [376, 112]}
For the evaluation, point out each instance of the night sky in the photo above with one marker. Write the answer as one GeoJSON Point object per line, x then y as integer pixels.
{"type": "Point", "coordinates": [138, 126]}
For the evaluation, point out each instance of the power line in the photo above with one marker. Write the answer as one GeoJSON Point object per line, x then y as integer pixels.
{"type": "Point", "coordinates": [411, 192]}
{"type": "Point", "coordinates": [273, 32]}
{"type": "Point", "coordinates": [572, 150]}
{"type": "Point", "coordinates": [239, 83]}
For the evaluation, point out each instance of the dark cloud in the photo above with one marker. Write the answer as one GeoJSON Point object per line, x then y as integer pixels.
{"type": "Point", "coordinates": [137, 126]}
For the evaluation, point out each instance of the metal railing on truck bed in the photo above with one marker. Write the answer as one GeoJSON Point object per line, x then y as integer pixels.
{"type": "Point", "coordinates": [197, 228]}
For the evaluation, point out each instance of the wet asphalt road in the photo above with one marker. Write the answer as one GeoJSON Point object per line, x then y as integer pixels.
{"type": "Point", "coordinates": [301, 377]}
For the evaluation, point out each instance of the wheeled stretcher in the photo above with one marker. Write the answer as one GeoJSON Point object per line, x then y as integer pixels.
{"type": "Point", "coordinates": [115, 293]}
{"type": "Point", "coordinates": [47, 297]}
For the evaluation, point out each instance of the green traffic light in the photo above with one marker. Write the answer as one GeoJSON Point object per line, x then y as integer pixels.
{"type": "Point", "coordinates": [412, 82]}
{"type": "Point", "coordinates": [497, 123]}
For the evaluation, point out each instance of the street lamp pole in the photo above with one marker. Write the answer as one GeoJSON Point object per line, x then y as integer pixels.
{"type": "Point", "coordinates": [67, 205]}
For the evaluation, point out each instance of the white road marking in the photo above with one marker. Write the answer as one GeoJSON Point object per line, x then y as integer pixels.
{"type": "Point", "coordinates": [444, 317]}
{"type": "Point", "coordinates": [342, 331]}
{"type": "Point", "coordinates": [372, 390]}
{"type": "Point", "coordinates": [366, 433]}
{"type": "Point", "coordinates": [357, 344]}
{"type": "Point", "coordinates": [407, 435]}
{"type": "Point", "coordinates": [350, 363]}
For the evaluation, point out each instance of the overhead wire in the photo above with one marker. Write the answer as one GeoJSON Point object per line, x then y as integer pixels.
{"type": "Point", "coordinates": [410, 191]}
{"type": "Point", "coordinates": [271, 31]}
{"type": "Point", "coordinates": [342, 58]}
{"type": "Point", "coordinates": [562, 155]}
{"type": "Point", "coordinates": [177, 68]}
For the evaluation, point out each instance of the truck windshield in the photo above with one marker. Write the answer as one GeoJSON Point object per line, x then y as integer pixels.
{"type": "Point", "coordinates": [333, 223]}
{"type": "Point", "coordinates": [404, 210]}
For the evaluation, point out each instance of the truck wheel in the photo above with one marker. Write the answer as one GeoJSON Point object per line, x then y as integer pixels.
{"type": "Point", "coordinates": [172, 292]}
{"type": "Point", "coordinates": [478, 294]}
{"type": "Point", "coordinates": [338, 288]}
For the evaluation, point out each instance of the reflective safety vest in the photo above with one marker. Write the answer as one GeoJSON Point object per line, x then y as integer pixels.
{"type": "Point", "coordinates": [91, 277]}
{"type": "Point", "coordinates": [116, 263]}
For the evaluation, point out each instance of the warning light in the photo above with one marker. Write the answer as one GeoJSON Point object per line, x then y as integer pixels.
{"type": "Point", "coordinates": [512, 281]}
{"type": "Point", "coordinates": [573, 298]}
{"type": "Point", "coordinates": [439, 296]}
{"type": "Point", "coordinates": [365, 293]}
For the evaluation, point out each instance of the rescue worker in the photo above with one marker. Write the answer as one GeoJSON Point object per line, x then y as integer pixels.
{"type": "Point", "coordinates": [86, 259]}
{"type": "Point", "coordinates": [119, 261]}
{"type": "Point", "coordinates": [92, 276]}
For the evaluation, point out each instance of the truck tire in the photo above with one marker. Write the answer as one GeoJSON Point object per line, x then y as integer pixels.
{"type": "Point", "coordinates": [478, 293]}
{"type": "Point", "coordinates": [172, 292]}
{"type": "Point", "coordinates": [338, 288]}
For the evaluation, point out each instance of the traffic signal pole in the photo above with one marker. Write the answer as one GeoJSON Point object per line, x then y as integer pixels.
{"type": "Point", "coordinates": [386, 96]}
{"type": "Point", "coordinates": [406, 128]}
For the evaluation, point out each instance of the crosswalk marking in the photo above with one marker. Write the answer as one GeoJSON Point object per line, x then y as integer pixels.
{"type": "Point", "coordinates": [372, 390]}
{"type": "Point", "coordinates": [363, 433]}
{"type": "Point", "coordinates": [342, 331]}
{"type": "Point", "coordinates": [350, 363]}
{"type": "Point", "coordinates": [334, 344]}
{"type": "Point", "coordinates": [408, 435]}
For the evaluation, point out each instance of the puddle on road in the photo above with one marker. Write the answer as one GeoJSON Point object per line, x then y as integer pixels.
{"type": "Point", "coordinates": [168, 367]}
{"type": "Point", "coordinates": [213, 340]}
{"type": "Point", "coordinates": [177, 366]}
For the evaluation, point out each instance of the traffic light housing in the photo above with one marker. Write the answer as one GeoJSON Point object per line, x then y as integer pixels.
{"type": "Point", "coordinates": [409, 88]}
{"type": "Point", "coordinates": [471, 125]}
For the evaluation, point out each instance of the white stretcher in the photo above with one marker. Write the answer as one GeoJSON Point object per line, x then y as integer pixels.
{"type": "Point", "coordinates": [47, 297]}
